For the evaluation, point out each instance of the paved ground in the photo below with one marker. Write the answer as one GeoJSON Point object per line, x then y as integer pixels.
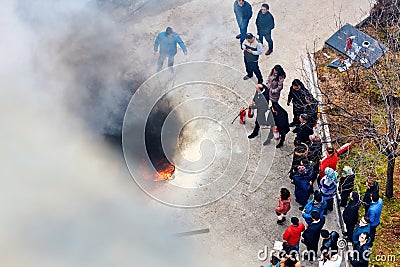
{"type": "Point", "coordinates": [242, 222]}
{"type": "Point", "coordinates": [69, 201]}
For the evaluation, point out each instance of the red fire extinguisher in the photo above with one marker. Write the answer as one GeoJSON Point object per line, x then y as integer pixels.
{"type": "Point", "coordinates": [276, 133]}
{"type": "Point", "coordinates": [250, 112]}
{"type": "Point", "coordinates": [349, 44]}
{"type": "Point", "coordinates": [344, 148]}
{"type": "Point", "coordinates": [242, 116]}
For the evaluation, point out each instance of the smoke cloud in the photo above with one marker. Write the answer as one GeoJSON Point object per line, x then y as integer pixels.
{"type": "Point", "coordinates": [67, 199]}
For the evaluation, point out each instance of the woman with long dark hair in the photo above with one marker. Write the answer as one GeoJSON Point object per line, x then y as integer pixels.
{"type": "Point", "coordinates": [275, 83]}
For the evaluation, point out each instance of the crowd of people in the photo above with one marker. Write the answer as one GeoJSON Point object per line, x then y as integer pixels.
{"type": "Point", "coordinates": [313, 173]}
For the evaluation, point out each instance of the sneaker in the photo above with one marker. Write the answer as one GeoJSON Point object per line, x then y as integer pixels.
{"type": "Point", "coordinates": [279, 145]}
{"type": "Point", "coordinates": [267, 142]}
{"type": "Point", "coordinates": [238, 36]}
{"type": "Point", "coordinates": [251, 136]}
{"type": "Point", "coordinates": [269, 52]}
{"type": "Point", "coordinates": [301, 208]}
{"type": "Point", "coordinates": [246, 77]}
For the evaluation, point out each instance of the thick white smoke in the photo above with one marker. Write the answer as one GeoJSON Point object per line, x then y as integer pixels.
{"type": "Point", "coordinates": [67, 200]}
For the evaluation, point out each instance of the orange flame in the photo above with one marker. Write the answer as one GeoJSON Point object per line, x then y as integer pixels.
{"type": "Point", "coordinates": [166, 173]}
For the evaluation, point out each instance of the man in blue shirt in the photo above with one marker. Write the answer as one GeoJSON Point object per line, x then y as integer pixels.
{"type": "Point", "coordinates": [167, 41]}
{"type": "Point", "coordinates": [243, 13]}
{"type": "Point", "coordinates": [374, 213]}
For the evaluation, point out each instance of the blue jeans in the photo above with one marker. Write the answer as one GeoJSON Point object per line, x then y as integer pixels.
{"type": "Point", "coordinates": [268, 38]}
{"type": "Point", "coordinates": [243, 29]}
{"type": "Point", "coordinates": [161, 59]}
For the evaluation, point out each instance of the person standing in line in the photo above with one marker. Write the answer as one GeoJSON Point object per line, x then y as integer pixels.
{"type": "Point", "coordinates": [252, 49]}
{"type": "Point", "coordinates": [330, 160]}
{"type": "Point", "coordinates": [360, 257]}
{"type": "Point", "coordinates": [346, 185]}
{"type": "Point", "coordinates": [312, 233]}
{"type": "Point", "coordinates": [329, 241]}
{"type": "Point", "coordinates": [315, 153]}
{"type": "Point", "coordinates": [167, 41]}
{"type": "Point", "coordinates": [281, 120]}
{"type": "Point", "coordinates": [317, 204]}
{"type": "Point", "coordinates": [328, 187]}
{"type": "Point", "coordinates": [293, 232]}
{"type": "Point", "coordinates": [260, 103]}
{"type": "Point", "coordinates": [300, 97]}
{"type": "Point", "coordinates": [372, 187]}
{"type": "Point", "coordinates": [362, 227]}
{"type": "Point", "coordinates": [303, 185]}
{"type": "Point", "coordinates": [350, 214]}
{"type": "Point", "coordinates": [275, 83]}
{"type": "Point", "coordinates": [265, 23]}
{"type": "Point", "coordinates": [243, 14]}
{"type": "Point", "coordinates": [304, 130]}
{"type": "Point", "coordinates": [374, 213]}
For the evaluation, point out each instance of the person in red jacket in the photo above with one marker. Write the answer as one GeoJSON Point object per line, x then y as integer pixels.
{"type": "Point", "coordinates": [330, 160]}
{"type": "Point", "coordinates": [293, 232]}
{"type": "Point", "coordinates": [283, 206]}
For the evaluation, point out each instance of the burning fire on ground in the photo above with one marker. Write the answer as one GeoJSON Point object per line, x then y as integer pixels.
{"type": "Point", "coordinates": [165, 171]}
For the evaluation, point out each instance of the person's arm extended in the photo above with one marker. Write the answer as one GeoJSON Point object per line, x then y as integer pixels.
{"type": "Point", "coordinates": [181, 44]}
{"type": "Point", "coordinates": [156, 43]}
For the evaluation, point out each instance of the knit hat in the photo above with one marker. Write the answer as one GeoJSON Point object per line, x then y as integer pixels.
{"type": "Point", "coordinates": [347, 170]}
{"type": "Point", "coordinates": [330, 176]}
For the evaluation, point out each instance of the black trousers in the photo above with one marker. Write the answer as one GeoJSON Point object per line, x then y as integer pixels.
{"type": "Point", "coordinates": [344, 197]}
{"type": "Point", "coordinates": [252, 67]}
{"type": "Point", "coordinates": [296, 115]}
{"type": "Point", "coordinates": [268, 38]}
{"type": "Point", "coordinates": [373, 233]}
{"type": "Point", "coordinates": [350, 230]}
{"type": "Point", "coordinates": [256, 130]}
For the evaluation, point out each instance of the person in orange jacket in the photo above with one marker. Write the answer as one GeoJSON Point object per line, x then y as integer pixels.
{"type": "Point", "coordinates": [330, 160]}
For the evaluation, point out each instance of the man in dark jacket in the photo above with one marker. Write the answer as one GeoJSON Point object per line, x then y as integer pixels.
{"type": "Point", "coordinates": [243, 13]}
{"type": "Point", "coordinates": [301, 99]}
{"type": "Point", "coordinates": [361, 252]}
{"type": "Point", "coordinates": [312, 233]}
{"type": "Point", "coordinates": [265, 23]}
{"type": "Point", "coordinates": [346, 185]}
{"type": "Point", "coordinates": [315, 153]}
{"type": "Point", "coordinates": [167, 41]}
{"type": "Point", "coordinates": [260, 103]}
{"type": "Point", "coordinates": [304, 130]}
{"type": "Point", "coordinates": [317, 204]}
{"type": "Point", "coordinates": [329, 242]}
{"type": "Point", "coordinates": [281, 121]}
{"type": "Point", "coordinates": [350, 214]}
{"type": "Point", "coordinates": [251, 52]}
{"type": "Point", "coordinates": [300, 156]}
{"type": "Point", "coordinates": [372, 187]}
{"type": "Point", "coordinates": [362, 227]}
